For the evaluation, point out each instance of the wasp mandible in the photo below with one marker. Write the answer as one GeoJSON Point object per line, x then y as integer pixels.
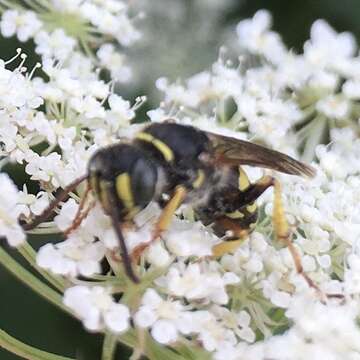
{"type": "Point", "coordinates": [187, 165]}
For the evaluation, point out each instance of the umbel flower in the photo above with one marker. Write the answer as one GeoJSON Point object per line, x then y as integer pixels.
{"type": "Point", "coordinates": [249, 304]}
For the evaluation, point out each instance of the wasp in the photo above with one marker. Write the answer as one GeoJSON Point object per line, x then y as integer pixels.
{"type": "Point", "coordinates": [184, 165]}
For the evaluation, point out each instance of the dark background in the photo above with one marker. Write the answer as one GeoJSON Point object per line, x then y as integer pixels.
{"type": "Point", "coordinates": [30, 318]}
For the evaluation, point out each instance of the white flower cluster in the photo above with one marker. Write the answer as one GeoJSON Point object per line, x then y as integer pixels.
{"type": "Point", "coordinates": [313, 90]}
{"type": "Point", "coordinates": [231, 306]}
{"type": "Point", "coordinates": [62, 27]}
{"type": "Point", "coordinates": [69, 109]}
{"type": "Point", "coordinates": [96, 307]}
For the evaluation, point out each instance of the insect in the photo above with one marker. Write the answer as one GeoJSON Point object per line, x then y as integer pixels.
{"type": "Point", "coordinates": [187, 165]}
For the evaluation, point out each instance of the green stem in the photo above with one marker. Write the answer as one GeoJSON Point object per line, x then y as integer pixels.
{"type": "Point", "coordinates": [33, 5]}
{"type": "Point", "coordinates": [109, 346]}
{"type": "Point", "coordinates": [153, 350]}
{"type": "Point", "coordinates": [87, 49]}
{"type": "Point", "coordinates": [26, 351]}
{"type": "Point", "coordinates": [31, 281]}
{"type": "Point", "coordinates": [314, 139]}
{"type": "Point", "coordinates": [45, 229]}
{"type": "Point", "coordinates": [10, 5]}
{"type": "Point", "coordinates": [45, 4]}
{"type": "Point", "coordinates": [221, 112]}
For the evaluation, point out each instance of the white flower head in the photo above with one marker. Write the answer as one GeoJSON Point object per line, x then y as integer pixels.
{"type": "Point", "coordinates": [188, 239]}
{"type": "Point", "coordinates": [25, 24]}
{"type": "Point", "coordinates": [10, 211]}
{"type": "Point", "coordinates": [165, 317]}
{"type": "Point", "coordinates": [72, 257]}
{"type": "Point", "coordinates": [327, 48]}
{"type": "Point", "coordinates": [97, 309]}
{"type": "Point", "coordinates": [255, 36]}
{"type": "Point", "coordinates": [333, 107]}
{"type": "Point", "coordinates": [196, 283]}
{"type": "Point", "coordinates": [57, 44]}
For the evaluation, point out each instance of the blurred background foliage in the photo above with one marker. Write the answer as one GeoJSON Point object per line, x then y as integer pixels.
{"type": "Point", "coordinates": [181, 38]}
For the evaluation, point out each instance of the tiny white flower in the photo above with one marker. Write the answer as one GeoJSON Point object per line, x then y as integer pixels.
{"type": "Point", "coordinates": [25, 24]}
{"type": "Point", "coordinates": [212, 334]}
{"type": "Point", "coordinates": [157, 255]}
{"type": "Point", "coordinates": [334, 107]}
{"type": "Point", "coordinates": [351, 89]}
{"type": "Point", "coordinates": [238, 322]}
{"type": "Point", "coordinates": [165, 317]}
{"type": "Point", "coordinates": [326, 47]}
{"type": "Point", "coordinates": [187, 239]}
{"type": "Point", "coordinates": [196, 284]}
{"type": "Point", "coordinates": [97, 309]}
{"type": "Point", "coordinates": [255, 35]}
{"type": "Point", "coordinates": [71, 257]}
{"type": "Point", "coordinates": [57, 44]}
{"type": "Point", "coordinates": [35, 204]}
{"type": "Point", "coordinates": [115, 62]}
{"type": "Point", "coordinates": [9, 212]}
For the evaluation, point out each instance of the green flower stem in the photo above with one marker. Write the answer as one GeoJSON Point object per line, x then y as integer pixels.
{"type": "Point", "coordinates": [26, 351]}
{"type": "Point", "coordinates": [315, 137]}
{"type": "Point", "coordinates": [10, 5]}
{"type": "Point", "coordinates": [29, 255]}
{"type": "Point", "coordinates": [45, 4]}
{"type": "Point", "coordinates": [134, 292]}
{"type": "Point", "coordinates": [46, 230]}
{"type": "Point", "coordinates": [109, 346]}
{"type": "Point", "coordinates": [153, 350]}
{"type": "Point", "coordinates": [34, 6]}
{"type": "Point", "coordinates": [31, 281]}
{"type": "Point", "coordinates": [221, 111]}
{"type": "Point", "coordinates": [189, 351]}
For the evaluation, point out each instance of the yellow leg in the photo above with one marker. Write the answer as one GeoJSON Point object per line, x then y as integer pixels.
{"type": "Point", "coordinates": [163, 221]}
{"type": "Point", "coordinates": [169, 211]}
{"type": "Point", "coordinates": [226, 247]}
{"type": "Point", "coordinates": [238, 233]}
{"type": "Point", "coordinates": [283, 233]}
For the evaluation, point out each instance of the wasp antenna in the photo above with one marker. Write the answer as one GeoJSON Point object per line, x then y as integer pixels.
{"type": "Point", "coordinates": [49, 210]}
{"type": "Point", "coordinates": [124, 252]}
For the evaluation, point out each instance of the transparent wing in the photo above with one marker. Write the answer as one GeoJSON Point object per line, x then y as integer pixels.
{"type": "Point", "coordinates": [228, 150]}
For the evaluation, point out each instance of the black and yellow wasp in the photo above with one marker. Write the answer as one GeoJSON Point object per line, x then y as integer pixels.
{"type": "Point", "coordinates": [184, 164]}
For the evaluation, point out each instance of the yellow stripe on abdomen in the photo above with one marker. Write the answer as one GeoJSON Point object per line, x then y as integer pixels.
{"type": "Point", "coordinates": [251, 208]}
{"type": "Point", "coordinates": [166, 152]}
{"type": "Point", "coordinates": [244, 182]}
{"type": "Point", "coordinates": [235, 215]}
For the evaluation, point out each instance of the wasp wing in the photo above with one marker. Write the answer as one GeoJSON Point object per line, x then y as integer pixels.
{"type": "Point", "coordinates": [228, 150]}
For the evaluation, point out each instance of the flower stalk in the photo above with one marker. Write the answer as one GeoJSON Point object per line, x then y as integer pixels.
{"type": "Point", "coordinates": [25, 351]}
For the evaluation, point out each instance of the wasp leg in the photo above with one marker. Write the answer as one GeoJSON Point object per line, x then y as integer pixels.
{"type": "Point", "coordinates": [283, 233]}
{"type": "Point", "coordinates": [238, 237]}
{"type": "Point", "coordinates": [50, 209]}
{"type": "Point", "coordinates": [115, 219]}
{"type": "Point", "coordinates": [163, 221]}
{"type": "Point", "coordinates": [80, 214]}
{"type": "Point", "coordinates": [240, 222]}
{"type": "Point", "coordinates": [256, 190]}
